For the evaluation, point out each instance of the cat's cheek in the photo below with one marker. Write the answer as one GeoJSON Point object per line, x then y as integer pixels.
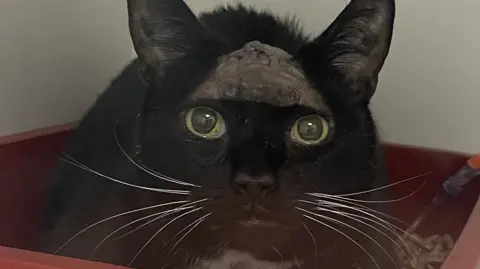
{"type": "Point", "coordinates": [191, 159]}
{"type": "Point", "coordinates": [296, 179]}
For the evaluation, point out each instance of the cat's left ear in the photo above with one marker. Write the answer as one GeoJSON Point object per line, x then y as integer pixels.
{"type": "Point", "coordinates": [354, 47]}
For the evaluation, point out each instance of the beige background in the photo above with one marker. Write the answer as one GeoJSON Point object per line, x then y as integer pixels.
{"type": "Point", "coordinates": [57, 55]}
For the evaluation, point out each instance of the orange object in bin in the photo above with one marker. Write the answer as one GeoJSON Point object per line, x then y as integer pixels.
{"type": "Point", "coordinates": [474, 162]}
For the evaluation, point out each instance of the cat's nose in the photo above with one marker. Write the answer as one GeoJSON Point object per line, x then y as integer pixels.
{"type": "Point", "coordinates": [254, 184]}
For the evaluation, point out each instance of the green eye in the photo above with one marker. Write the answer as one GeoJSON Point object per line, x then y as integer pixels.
{"type": "Point", "coordinates": [205, 122]}
{"type": "Point", "coordinates": [310, 130]}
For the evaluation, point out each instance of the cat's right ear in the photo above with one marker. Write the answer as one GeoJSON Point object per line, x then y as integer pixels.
{"type": "Point", "coordinates": [162, 31]}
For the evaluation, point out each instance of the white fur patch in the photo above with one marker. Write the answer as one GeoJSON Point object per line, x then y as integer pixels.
{"type": "Point", "coordinates": [234, 259]}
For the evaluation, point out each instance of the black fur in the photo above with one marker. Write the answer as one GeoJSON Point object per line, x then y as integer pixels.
{"type": "Point", "coordinates": [251, 24]}
{"type": "Point", "coordinates": [145, 106]}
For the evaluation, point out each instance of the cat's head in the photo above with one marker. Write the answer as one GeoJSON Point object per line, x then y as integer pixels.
{"type": "Point", "coordinates": [262, 133]}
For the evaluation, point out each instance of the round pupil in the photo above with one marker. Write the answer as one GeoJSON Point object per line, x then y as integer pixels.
{"type": "Point", "coordinates": [310, 129]}
{"type": "Point", "coordinates": [203, 120]}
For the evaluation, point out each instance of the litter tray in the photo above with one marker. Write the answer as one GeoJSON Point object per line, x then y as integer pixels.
{"type": "Point", "coordinates": [25, 167]}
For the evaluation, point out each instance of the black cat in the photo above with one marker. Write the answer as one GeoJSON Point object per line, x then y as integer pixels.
{"type": "Point", "coordinates": [233, 141]}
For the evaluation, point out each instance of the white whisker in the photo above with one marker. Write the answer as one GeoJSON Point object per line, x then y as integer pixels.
{"type": "Point", "coordinates": [341, 205]}
{"type": "Point", "coordinates": [388, 225]}
{"type": "Point", "coordinates": [391, 228]}
{"type": "Point", "coordinates": [148, 170]}
{"type": "Point", "coordinates": [163, 213]}
{"type": "Point", "coordinates": [193, 225]}
{"type": "Point", "coordinates": [366, 208]}
{"type": "Point", "coordinates": [355, 229]}
{"type": "Point", "coordinates": [160, 230]}
{"type": "Point", "coordinates": [357, 218]}
{"type": "Point", "coordinates": [313, 238]}
{"type": "Point", "coordinates": [322, 195]}
{"type": "Point", "coordinates": [358, 208]}
{"type": "Point", "coordinates": [71, 159]}
{"type": "Point", "coordinates": [384, 187]}
{"type": "Point", "coordinates": [342, 233]}
{"type": "Point", "coordinates": [385, 224]}
{"type": "Point", "coordinates": [279, 254]}
{"type": "Point", "coordinates": [357, 205]}
{"type": "Point", "coordinates": [86, 168]}
{"type": "Point", "coordinates": [155, 219]}
{"type": "Point", "coordinates": [116, 216]}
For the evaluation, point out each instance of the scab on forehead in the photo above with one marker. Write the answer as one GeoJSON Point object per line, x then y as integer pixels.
{"type": "Point", "coordinates": [260, 73]}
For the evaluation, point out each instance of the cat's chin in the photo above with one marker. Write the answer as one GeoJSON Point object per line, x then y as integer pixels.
{"type": "Point", "coordinates": [266, 241]}
{"type": "Point", "coordinates": [260, 237]}
{"type": "Point", "coordinates": [232, 258]}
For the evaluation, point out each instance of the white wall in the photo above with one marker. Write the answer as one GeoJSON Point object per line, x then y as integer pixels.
{"type": "Point", "coordinates": [57, 55]}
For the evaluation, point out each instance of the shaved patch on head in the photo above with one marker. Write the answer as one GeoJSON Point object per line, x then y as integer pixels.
{"type": "Point", "coordinates": [260, 73]}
